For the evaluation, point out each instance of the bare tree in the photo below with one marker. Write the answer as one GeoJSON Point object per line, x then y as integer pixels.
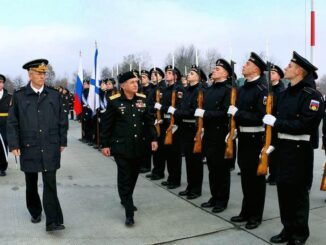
{"type": "Point", "coordinates": [321, 85]}
{"type": "Point", "coordinates": [18, 82]}
{"type": "Point", "coordinates": [50, 79]}
{"type": "Point", "coordinates": [106, 73]}
{"type": "Point", "coordinates": [210, 60]}
{"type": "Point", "coordinates": [9, 85]}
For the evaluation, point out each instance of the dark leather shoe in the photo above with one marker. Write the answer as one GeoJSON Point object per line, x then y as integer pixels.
{"type": "Point", "coordinates": [129, 221]}
{"type": "Point", "coordinates": [149, 175]}
{"type": "Point", "coordinates": [36, 219]}
{"type": "Point", "coordinates": [144, 170]}
{"type": "Point", "coordinates": [165, 183]}
{"type": "Point", "coordinates": [3, 173]}
{"type": "Point", "coordinates": [55, 227]}
{"type": "Point", "coordinates": [135, 208]}
{"type": "Point", "coordinates": [173, 186]}
{"type": "Point", "coordinates": [156, 177]}
{"type": "Point", "coordinates": [184, 193]}
{"type": "Point", "coordinates": [238, 218]}
{"type": "Point", "coordinates": [218, 209]}
{"type": "Point", "coordinates": [296, 242]}
{"type": "Point", "coordinates": [191, 196]}
{"type": "Point", "coordinates": [252, 224]}
{"type": "Point", "coordinates": [208, 204]}
{"type": "Point", "coordinates": [280, 238]}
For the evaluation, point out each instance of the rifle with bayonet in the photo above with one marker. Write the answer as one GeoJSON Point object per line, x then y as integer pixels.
{"type": "Point", "coordinates": [229, 152]}
{"type": "Point", "coordinates": [200, 123]}
{"type": "Point", "coordinates": [263, 161]}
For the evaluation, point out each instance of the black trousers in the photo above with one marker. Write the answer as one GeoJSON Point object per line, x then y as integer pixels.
{"type": "Point", "coordinates": [147, 158]}
{"type": "Point", "coordinates": [219, 172]}
{"type": "Point", "coordinates": [128, 171]}
{"type": "Point", "coordinates": [3, 160]}
{"type": "Point", "coordinates": [294, 210]}
{"type": "Point", "coordinates": [194, 163]}
{"type": "Point", "coordinates": [253, 186]}
{"type": "Point", "coordinates": [51, 205]}
{"type": "Point", "coordinates": [169, 155]}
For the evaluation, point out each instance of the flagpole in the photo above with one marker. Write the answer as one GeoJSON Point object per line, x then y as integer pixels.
{"type": "Point", "coordinates": [312, 32]}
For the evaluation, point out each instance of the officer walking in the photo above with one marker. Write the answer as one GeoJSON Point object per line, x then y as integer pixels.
{"type": "Point", "coordinates": [216, 104]}
{"type": "Point", "coordinates": [248, 113]}
{"type": "Point", "coordinates": [5, 99]}
{"type": "Point", "coordinates": [37, 132]}
{"type": "Point", "coordinates": [297, 115]}
{"type": "Point", "coordinates": [123, 131]}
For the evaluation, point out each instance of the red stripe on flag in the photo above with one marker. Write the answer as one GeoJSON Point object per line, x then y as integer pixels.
{"type": "Point", "coordinates": [77, 105]}
{"type": "Point", "coordinates": [312, 32]}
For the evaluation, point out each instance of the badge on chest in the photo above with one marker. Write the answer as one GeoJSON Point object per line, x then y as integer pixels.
{"type": "Point", "coordinates": [140, 104]}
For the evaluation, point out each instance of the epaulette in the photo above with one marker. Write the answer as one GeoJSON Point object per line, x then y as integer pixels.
{"type": "Point", "coordinates": [20, 89]}
{"type": "Point", "coordinates": [141, 95]}
{"type": "Point", "coordinates": [309, 90]}
{"type": "Point", "coordinates": [115, 96]}
{"type": "Point", "coordinates": [261, 87]}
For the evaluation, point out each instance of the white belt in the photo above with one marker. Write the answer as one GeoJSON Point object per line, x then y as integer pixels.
{"type": "Point", "coordinates": [189, 120]}
{"type": "Point", "coordinates": [252, 129]}
{"type": "Point", "coordinates": [303, 137]}
{"type": "Point", "coordinates": [167, 116]}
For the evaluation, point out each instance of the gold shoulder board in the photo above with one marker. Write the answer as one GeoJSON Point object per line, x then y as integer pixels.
{"type": "Point", "coordinates": [114, 96]}
{"type": "Point", "coordinates": [141, 95]}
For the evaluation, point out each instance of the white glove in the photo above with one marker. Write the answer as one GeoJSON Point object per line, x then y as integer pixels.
{"type": "Point", "coordinates": [157, 106]}
{"type": "Point", "coordinates": [174, 128]}
{"type": "Point", "coordinates": [270, 149]}
{"type": "Point", "coordinates": [199, 113]}
{"type": "Point", "coordinates": [232, 110]}
{"type": "Point", "coordinates": [171, 110]}
{"type": "Point", "coordinates": [234, 136]}
{"type": "Point", "coordinates": [158, 122]}
{"type": "Point", "coordinates": [269, 119]}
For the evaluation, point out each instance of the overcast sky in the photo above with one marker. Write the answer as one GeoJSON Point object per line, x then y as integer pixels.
{"type": "Point", "coordinates": [57, 30]}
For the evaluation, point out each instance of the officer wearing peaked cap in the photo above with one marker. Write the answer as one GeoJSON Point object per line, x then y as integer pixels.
{"type": "Point", "coordinates": [297, 115]}
{"type": "Point", "coordinates": [169, 154]}
{"type": "Point", "coordinates": [123, 135]}
{"type": "Point", "coordinates": [37, 132]}
{"type": "Point", "coordinates": [248, 114]}
{"type": "Point", "coordinates": [216, 104]}
{"type": "Point", "coordinates": [5, 99]}
{"type": "Point", "coordinates": [188, 128]}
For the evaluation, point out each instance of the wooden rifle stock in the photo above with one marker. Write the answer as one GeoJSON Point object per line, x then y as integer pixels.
{"type": "Point", "coordinates": [263, 161]}
{"type": "Point", "coordinates": [229, 143]}
{"type": "Point", "coordinates": [158, 113]}
{"type": "Point", "coordinates": [229, 154]}
{"type": "Point", "coordinates": [168, 136]}
{"type": "Point", "coordinates": [200, 123]}
{"type": "Point", "coordinates": [323, 181]}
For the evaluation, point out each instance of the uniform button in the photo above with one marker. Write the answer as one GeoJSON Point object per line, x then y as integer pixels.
{"type": "Point", "coordinates": [135, 135]}
{"type": "Point", "coordinates": [132, 105]}
{"type": "Point", "coordinates": [298, 146]}
{"type": "Point", "coordinates": [42, 150]}
{"type": "Point", "coordinates": [40, 130]}
{"type": "Point", "coordinates": [135, 125]}
{"type": "Point", "coordinates": [133, 115]}
{"type": "Point", "coordinates": [253, 136]}
{"type": "Point", "coordinates": [38, 111]}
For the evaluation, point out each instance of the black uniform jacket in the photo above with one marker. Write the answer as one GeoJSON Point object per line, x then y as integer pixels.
{"type": "Point", "coordinates": [4, 108]}
{"type": "Point", "coordinates": [251, 100]}
{"type": "Point", "coordinates": [124, 125]}
{"type": "Point", "coordinates": [37, 126]}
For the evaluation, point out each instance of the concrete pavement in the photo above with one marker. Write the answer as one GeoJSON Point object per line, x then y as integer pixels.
{"type": "Point", "coordinates": [87, 190]}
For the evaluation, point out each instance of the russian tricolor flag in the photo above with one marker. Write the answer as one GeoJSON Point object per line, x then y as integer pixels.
{"type": "Point", "coordinates": [79, 89]}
